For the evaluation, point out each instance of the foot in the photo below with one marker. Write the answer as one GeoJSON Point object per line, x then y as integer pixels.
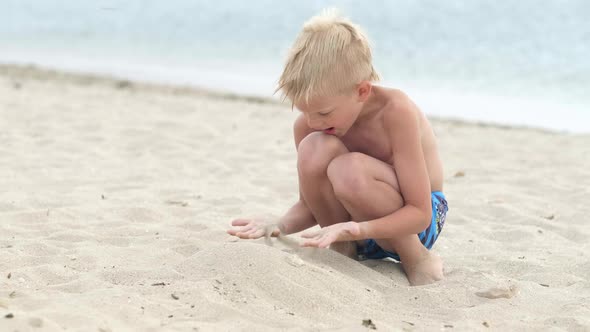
{"type": "Point", "coordinates": [427, 270]}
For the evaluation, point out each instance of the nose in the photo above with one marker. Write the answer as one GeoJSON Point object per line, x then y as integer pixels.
{"type": "Point", "coordinates": [315, 123]}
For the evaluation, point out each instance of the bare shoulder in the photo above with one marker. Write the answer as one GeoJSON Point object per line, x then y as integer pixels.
{"type": "Point", "coordinates": [300, 129]}
{"type": "Point", "coordinates": [400, 111]}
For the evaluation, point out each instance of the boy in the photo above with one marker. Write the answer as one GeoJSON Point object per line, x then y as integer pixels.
{"type": "Point", "coordinates": [369, 171]}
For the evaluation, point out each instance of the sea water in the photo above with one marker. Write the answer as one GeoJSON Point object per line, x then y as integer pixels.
{"type": "Point", "coordinates": [521, 62]}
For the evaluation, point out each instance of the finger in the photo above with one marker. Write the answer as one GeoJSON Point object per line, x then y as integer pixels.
{"type": "Point", "coordinates": [241, 222]}
{"type": "Point", "coordinates": [250, 230]}
{"type": "Point", "coordinates": [312, 234]}
{"type": "Point", "coordinates": [243, 235]}
{"type": "Point", "coordinates": [311, 242]}
{"type": "Point", "coordinates": [236, 231]}
{"type": "Point", "coordinates": [270, 229]}
{"type": "Point", "coordinates": [252, 233]}
{"type": "Point", "coordinates": [257, 234]}
{"type": "Point", "coordinates": [326, 242]}
{"type": "Point", "coordinates": [308, 244]}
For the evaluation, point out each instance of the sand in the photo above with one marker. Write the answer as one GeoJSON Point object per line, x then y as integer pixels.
{"type": "Point", "coordinates": [115, 197]}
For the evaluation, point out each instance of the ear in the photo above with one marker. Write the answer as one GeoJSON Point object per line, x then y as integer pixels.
{"type": "Point", "coordinates": [363, 91]}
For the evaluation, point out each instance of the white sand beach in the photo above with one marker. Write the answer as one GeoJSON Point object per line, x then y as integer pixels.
{"type": "Point", "coordinates": [115, 197]}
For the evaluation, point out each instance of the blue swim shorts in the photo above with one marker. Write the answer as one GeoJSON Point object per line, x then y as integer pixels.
{"type": "Point", "coordinates": [371, 250]}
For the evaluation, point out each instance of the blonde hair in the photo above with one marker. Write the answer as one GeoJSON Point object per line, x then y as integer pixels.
{"type": "Point", "coordinates": [329, 57]}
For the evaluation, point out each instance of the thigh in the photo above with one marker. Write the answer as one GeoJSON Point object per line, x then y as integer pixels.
{"type": "Point", "coordinates": [380, 170]}
{"type": "Point", "coordinates": [368, 185]}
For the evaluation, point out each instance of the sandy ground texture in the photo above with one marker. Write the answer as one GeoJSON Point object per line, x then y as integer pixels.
{"type": "Point", "coordinates": [115, 197]}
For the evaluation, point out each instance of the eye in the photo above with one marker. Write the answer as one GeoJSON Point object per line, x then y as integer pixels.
{"type": "Point", "coordinates": [324, 113]}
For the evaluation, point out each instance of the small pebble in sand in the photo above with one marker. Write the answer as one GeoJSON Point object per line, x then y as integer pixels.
{"type": "Point", "coordinates": [497, 293]}
{"type": "Point", "coordinates": [486, 324]}
{"type": "Point", "coordinates": [174, 296]}
{"type": "Point", "coordinates": [295, 260]}
{"type": "Point", "coordinates": [178, 203]}
{"type": "Point", "coordinates": [9, 275]}
{"type": "Point", "coordinates": [369, 324]}
{"type": "Point", "coordinates": [460, 174]}
{"type": "Point", "coordinates": [9, 316]}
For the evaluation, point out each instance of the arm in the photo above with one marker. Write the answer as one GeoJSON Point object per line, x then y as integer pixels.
{"type": "Point", "coordinates": [403, 124]}
{"type": "Point", "coordinates": [297, 218]}
{"type": "Point", "coordinates": [403, 128]}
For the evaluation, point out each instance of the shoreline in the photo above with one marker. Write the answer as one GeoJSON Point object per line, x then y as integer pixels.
{"type": "Point", "coordinates": [33, 71]}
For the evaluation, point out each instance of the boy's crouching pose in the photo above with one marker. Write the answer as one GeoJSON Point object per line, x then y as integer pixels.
{"type": "Point", "coordinates": [369, 171]}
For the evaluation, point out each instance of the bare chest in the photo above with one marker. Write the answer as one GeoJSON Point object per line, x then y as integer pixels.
{"type": "Point", "coordinates": [370, 140]}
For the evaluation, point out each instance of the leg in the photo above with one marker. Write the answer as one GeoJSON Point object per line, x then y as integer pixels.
{"type": "Point", "coordinates": [368, 189]}
{"type": "Point", "coordinates": [314, 154]}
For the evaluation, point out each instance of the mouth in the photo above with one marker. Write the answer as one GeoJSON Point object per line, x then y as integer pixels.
{"type": "Point", "coordinates": [330, 131]}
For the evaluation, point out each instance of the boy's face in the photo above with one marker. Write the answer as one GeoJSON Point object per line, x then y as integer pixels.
{"type": "Point", "coordinates": [333, 115]}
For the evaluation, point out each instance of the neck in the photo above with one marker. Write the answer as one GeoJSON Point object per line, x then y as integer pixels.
{"type": "Point", "coordinates": [374, 103]}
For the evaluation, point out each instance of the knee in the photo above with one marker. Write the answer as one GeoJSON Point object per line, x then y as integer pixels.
{"type": "Point", "coordinates": [348, 176]}
{"type": "Point", "coordinates": [316, 151]}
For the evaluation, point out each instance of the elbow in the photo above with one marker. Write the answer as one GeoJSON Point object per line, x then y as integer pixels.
{"type": "Point", "coordinates": [424, 224]}
{"type": "Point", "coordinates": [425, 218]}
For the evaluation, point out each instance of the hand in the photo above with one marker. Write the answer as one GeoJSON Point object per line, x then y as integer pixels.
{"type": "Point", "coordinates": [253, 229]}
{"type": "Point", "coordinates": [346, 231]}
